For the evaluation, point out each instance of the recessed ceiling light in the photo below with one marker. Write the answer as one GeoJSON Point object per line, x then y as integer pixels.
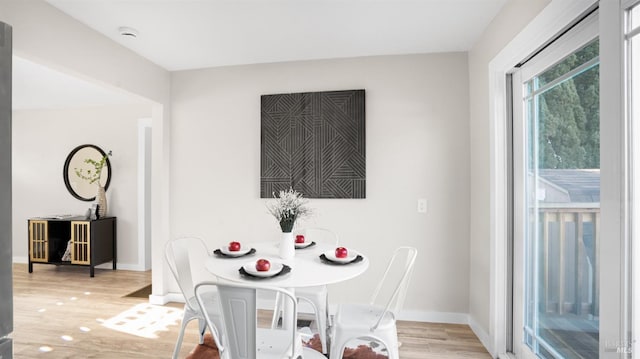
{"type": "Point", "coordinates": [128, 31]}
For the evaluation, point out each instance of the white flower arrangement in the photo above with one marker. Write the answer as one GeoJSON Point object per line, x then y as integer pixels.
{"type": "Point", "coordinates": [289, 205]}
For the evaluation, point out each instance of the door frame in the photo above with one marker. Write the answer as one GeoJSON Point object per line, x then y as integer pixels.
{"type": "Point", "coordinates": [145, 154]}
{"type": "Point", "coordinates": [583, 33]}
{"type": "Point", "coordinates": [551, 21]}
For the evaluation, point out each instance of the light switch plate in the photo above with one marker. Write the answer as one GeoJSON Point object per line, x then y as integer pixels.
{"type": "Point", "coordinates": [422, 205]}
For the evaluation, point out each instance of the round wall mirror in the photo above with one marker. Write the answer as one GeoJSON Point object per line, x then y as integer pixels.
{"type": "Point", "coordinates": [76, 166]}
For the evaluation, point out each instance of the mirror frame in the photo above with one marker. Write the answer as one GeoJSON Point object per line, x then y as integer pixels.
{"type": "Point", "coordinates": [65, 171]}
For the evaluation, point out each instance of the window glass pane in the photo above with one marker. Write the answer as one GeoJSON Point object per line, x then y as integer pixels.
{"type": "Point", "coordinates": [634, 17]}
{"type": "Point", "coordinates": [633, 99]}
{"type": "Point", "coordinates": [569, 63]}
{"type": "Point", "coordinates": [527, 89]}
{"type": "Point", "coordinates": [635, 76]}
{"type": "Point", "coordinates": [563, 209]}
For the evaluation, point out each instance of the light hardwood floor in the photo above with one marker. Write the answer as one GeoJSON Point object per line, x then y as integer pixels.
{"type": "Point", "coordinates": [62, 313]}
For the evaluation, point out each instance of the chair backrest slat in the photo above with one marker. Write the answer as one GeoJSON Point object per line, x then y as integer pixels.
{"type": "Point", "coordinates": [396, 300]}
{"type": "Point", "coordinates": [239, 312]}
{"type": "Point", "coordinates": [178, 255]}
{"type": "Point", "coordinates": [238, 304]}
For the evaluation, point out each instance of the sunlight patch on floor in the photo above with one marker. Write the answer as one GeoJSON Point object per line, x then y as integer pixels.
{"type": "Point", "coordinates": [67, 338]}
{"type": "Point", "coordinates": [144, 320]}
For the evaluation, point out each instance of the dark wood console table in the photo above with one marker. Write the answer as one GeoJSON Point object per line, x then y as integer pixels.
{"type": "Point", "coordinates": [93, 242]}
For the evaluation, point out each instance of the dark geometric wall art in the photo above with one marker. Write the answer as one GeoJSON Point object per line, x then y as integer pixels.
{"type": "Point", "coordinates": [313, 142]}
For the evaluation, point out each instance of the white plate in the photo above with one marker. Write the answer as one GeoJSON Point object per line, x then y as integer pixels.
{"type": "Point", "coordinates": [303, 245]}
{"type": "Point", "coordinates": [243, 250]}
{"type": "Point", "coordinates": [331, 255]}
{"type": "Point", "coordinates": [251, 269]}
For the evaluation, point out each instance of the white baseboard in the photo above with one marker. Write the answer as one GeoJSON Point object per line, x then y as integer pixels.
{"type": "Point", "coordinates": [409, 315]}
{"type": "Point", "coordinates": [426, 317]}
{"type": "Point", "coordinates": [482, 335]}
{"type": "Point", "coordinates": [164, 299]}
{"type": "Point", "coordinates": [433, 317]}
{"type": "Point", "coordinates": [20, 259]}
{"type": "Point", "coordinates": [123, 266]}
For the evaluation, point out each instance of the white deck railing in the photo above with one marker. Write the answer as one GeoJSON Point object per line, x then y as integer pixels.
{"type": "Point", "coordinates": [568, 250]}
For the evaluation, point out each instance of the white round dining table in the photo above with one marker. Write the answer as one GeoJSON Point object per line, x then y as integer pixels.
{"type": "Point", "coordinates": [307, 269]}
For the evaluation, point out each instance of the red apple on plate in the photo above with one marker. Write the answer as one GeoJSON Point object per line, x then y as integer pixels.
{"type": "Point", "coordinates": [300, 238]}
{"type": "Point", "coordinates": [263, 265]}
{"type": "Point", "coordinates": [234, 246]}
{"type": "Point", "coordinates": [341, 252]}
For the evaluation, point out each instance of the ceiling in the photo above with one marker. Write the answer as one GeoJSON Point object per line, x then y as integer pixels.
{"type": "Point", "coordinates": [39, 87]}
{"type": "Point", "coordinates": [191, 34]}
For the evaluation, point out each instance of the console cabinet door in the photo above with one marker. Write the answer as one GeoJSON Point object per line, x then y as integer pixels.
{"type": "Point", "coordinates": [38, 241]}
{"type": "Point", "coordinates": [80, 242]}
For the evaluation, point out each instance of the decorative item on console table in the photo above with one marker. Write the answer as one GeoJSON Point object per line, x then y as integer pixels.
{"type": "Point", "coordinates": [101, 197]}
{"type": "Point", "coordinates": [287, 208]}
{"type": "Point", "coordinates": [93, 176]}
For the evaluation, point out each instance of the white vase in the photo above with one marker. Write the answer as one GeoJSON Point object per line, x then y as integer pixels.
{"type": "Point", "coordinates": [287, 247]}
{"type": "Point", "coordinates": [101, 198]}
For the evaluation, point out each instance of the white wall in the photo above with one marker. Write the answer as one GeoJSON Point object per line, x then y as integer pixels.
{"type": "Point", "coordinates": [417, 147]}
{"type": "Point", "coordinates": [49, 37]}
{"type": "Point", "coordinates": [512, 19]}
{"type": "Point", "coordinates": [42, 139]}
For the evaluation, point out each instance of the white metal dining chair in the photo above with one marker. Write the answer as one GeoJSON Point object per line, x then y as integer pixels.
{"type": "Point", "coordinates": [180, 254]}
{"type": "Point", "coordinates": [316, 297]}
{"type": "Point", "coordinates": [374, 321]}
{"type": "Point", "coordinates": [243, 339]}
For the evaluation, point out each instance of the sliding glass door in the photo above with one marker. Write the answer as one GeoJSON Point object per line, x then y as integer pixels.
{"type": "Point", "coordinates": [556, 169]}
{"type": "Point", "coordinates": [632, 77]}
